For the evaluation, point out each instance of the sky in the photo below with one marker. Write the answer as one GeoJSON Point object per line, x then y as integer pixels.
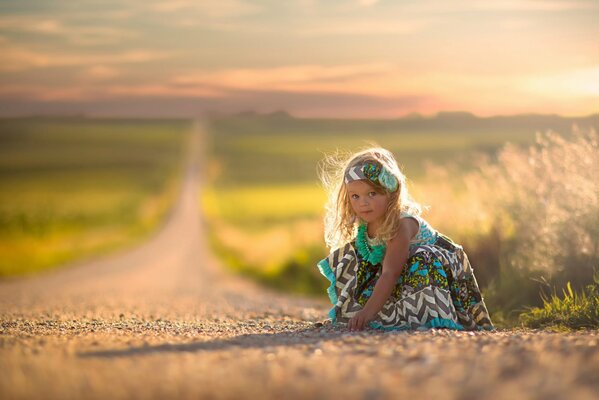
{"type": "Point", "coordinates": [311, 58]}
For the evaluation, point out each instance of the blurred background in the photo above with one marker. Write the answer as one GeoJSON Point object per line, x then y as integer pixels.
{"type": "Point", "coordinates": [490, 107]}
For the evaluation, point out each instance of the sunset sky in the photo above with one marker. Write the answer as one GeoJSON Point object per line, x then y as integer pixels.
{"type": "Point", "coordinates": [359, 58]}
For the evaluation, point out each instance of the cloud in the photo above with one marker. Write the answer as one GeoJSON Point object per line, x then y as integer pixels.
{"type": "Point", "coordinates": [441, 7]}
{"type": "Point", "coordinates": [566, 84]}
{"type": "Point", "coordinates": [367, 3]}
{"type": "Point", "coordinates": [328, 103]}
{"type": "Point", "coordinates": [26, 23]}
{"type": "Point", "coordinates": [299, 78]}
{"type": "Point", "coordinates": [214, 15]}
{"type": "Point", "coordinates": [90, 36]}
{"type": "Point", "coordinates": [316, 104]}
{"type": "Point", "coordinates": [101, 72]}
{"type": "Point", "coordinates": [95, 89]}
{"type": "Point", "coordinates": [352, 80]}
{"type": "Point", "coordinates": [162, 90]}
{"type": "Point", "coordinates": [534, 5]}
{"type": "Point", "coordinates": [206, 9]}
{"type": "Point", "coordinates": [80, 35]}
{"type": "Point", "coordinates": [19, 58]}
{"type": "Point", "coordinates": [360, 27]}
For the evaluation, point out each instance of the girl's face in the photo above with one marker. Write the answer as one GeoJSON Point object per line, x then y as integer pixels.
{"type": "Point", "coordinates": [367, 203]}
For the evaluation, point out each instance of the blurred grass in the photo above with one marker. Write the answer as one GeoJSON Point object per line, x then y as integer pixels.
{"type": "Point", "coordinates": [261, 205]}
{"type": "Point", "coordinates": [268, 232]}
{"type": "Point", "coordinates": [75, 187]}
{"type": "Point", "coordinates": [280, 149]}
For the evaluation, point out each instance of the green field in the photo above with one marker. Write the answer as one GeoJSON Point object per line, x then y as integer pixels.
{"type": "Point", "coordinates": [266, 149]}
{"type": "Point", "coordinates": [74, 187]}
{"type": "Point", "coordinates": [264, 168]}
{"type": "Point", "coordinates": [256, 206]}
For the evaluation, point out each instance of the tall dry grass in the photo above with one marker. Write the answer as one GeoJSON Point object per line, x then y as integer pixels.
{"type": "Point", "coordinates": [529, 219]}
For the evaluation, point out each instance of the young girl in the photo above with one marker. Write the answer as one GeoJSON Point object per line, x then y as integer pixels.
{"type": "Point", "coordinates": [390, 269]}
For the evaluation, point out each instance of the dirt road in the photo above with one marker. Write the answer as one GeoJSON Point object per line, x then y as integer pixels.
{"type": "Point", "coordinates": [164, 320]}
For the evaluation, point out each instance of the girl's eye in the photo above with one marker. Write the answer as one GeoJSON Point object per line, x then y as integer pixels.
{"type": "Point", "coordinates": [354, 196]}
{"type": "Point", "coordinates": [372, 194]}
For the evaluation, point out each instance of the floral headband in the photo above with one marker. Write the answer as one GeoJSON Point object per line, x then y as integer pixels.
{"type": "Point", "coordinates": [375, 173]}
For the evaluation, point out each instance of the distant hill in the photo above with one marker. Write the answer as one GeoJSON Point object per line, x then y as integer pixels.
{"type": "Point", "coordinates": [283, 123]}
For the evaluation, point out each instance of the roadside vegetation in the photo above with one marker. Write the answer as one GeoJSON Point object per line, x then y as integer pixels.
{"type": "Point", "coordinates": [527, 212]}
{"type": "Point", "coordinates": [571, 310]}
{"type": "Point", "coordinates": [71, 188]}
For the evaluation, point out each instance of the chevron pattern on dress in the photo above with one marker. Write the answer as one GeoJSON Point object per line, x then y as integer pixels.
{"type": "Point", "coordinates": [390, 315]}
{"type": "Point", "coordinates": [334, 257]}
{"type": "Point", "coordinates": [463, 259]}
{"type": "Point", "coordinates": [426, 304]}
{"type": "Point", "coordinates": [481, 315]}
{"type": "Point", "coordinates": [348, 310]}
{"type": "Point", "coordinates": [477, 318]}
{"type": "Point", "coordinates": [345, 269]}
{"type": "Point", "coordinates": [466, 320]}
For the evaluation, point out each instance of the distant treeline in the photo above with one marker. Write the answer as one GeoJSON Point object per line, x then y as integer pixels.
{"type": "Point", "coordinates": [285, 124]}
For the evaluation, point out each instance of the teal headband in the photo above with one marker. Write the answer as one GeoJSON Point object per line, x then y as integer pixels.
{"type": "Point", "coordinates": [375, 173]}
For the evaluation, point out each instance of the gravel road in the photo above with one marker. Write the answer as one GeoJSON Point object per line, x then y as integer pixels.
{"type": "Point", "coordinates": [165, 320]}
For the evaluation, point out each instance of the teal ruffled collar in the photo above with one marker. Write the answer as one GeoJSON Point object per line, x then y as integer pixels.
{"type": "Point", "coordinates": [372, 254]}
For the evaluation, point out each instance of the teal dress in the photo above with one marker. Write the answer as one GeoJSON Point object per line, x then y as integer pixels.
{"type": "Point", "coordinates": [436, 288]}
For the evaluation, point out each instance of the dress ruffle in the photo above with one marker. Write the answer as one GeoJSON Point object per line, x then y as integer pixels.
{"type": "Point", "coordinates": [325, 269]}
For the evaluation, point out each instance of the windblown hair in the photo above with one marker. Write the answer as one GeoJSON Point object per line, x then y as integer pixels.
{"type": "Point", "coordinates": [340, 221]}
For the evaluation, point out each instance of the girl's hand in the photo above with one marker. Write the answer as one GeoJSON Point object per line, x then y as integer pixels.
{"type": "Point", "coordinates": [359, 321]}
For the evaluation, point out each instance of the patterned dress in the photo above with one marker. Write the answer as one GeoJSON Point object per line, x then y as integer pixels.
{"type": "Point", "coordinates": [436, 288]}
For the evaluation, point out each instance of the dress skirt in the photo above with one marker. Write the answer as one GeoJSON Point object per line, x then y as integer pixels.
{"type": "Point", "coordinates": [436, 289]}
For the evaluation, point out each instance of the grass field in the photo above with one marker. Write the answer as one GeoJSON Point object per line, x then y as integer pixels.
{"type": "Point", "coordinates": [264, 156]}
{"type": "Point", "coordinates": [270, 232]}
{"type": "Point", "coordinates": [256, 206]}
{"type": "Point", "coordinates": [75, 187]}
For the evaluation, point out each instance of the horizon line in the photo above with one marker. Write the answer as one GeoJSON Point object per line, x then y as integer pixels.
{"type": "Point", "coordinates": [209, 114]}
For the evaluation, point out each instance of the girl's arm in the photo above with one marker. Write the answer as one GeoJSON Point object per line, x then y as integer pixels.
{"type": "Point", "coordinates": [395, 258]}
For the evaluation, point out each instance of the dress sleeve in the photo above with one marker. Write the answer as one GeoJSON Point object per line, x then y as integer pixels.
{"type": "Point", "coordinates": [416, 218]}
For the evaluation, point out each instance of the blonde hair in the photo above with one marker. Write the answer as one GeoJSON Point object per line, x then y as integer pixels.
{"type": "Point", "coordinates": [340, 221]}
